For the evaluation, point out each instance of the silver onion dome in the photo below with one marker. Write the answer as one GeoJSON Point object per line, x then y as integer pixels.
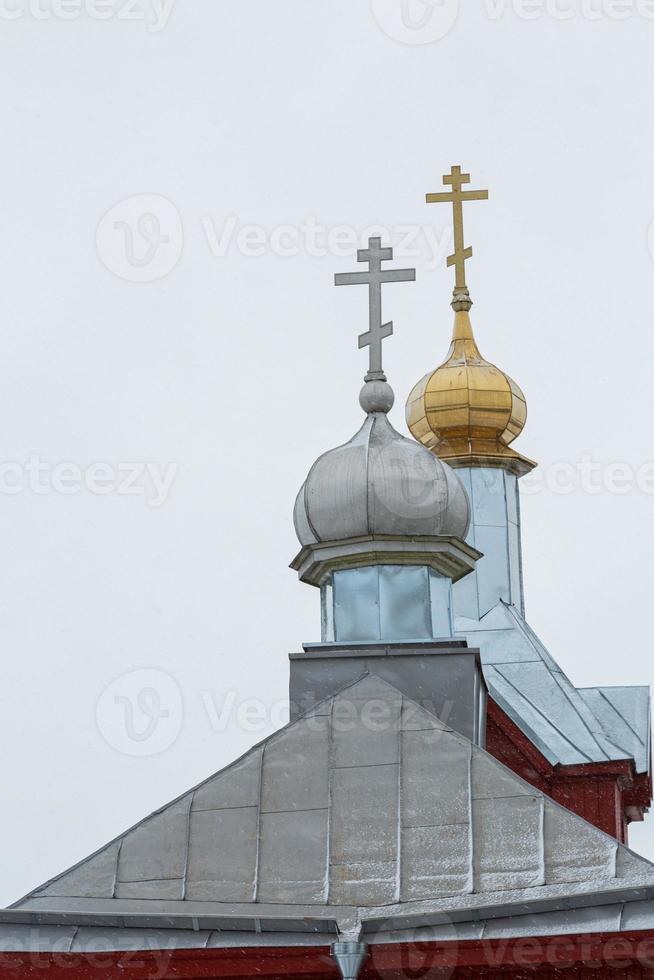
{"type": "Point", "coordinates": [380, 483]}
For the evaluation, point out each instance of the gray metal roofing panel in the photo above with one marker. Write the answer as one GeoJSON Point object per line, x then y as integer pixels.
{"type": "Point", "coordinates": [624, 713]}
{"type": "Point", "coordinates": [531, 697]}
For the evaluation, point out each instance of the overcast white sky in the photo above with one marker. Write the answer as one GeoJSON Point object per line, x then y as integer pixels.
{"type": "Point", "coordinates": [232, 371]}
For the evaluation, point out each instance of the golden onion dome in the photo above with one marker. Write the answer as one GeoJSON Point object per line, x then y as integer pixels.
{"type": "Point", "coordinates": [468, 411]}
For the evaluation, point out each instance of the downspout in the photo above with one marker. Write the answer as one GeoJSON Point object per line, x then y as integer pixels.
{"type": "Point", "coordinates": [349, 958]}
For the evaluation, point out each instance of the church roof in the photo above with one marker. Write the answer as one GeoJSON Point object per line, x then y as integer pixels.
{"type": "Point", "coordinates": [569, 726]}
{"type": "Point", "coordinates": [366, 811]}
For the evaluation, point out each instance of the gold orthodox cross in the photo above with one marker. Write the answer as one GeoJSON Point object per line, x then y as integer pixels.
{"type": "Point", "coordinates": [456, 198]}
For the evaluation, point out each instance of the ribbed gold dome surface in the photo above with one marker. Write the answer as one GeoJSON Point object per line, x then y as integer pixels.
{"type": "Point", "coordinates": [467, 411]}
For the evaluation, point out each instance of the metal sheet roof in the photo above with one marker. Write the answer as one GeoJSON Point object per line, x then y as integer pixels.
{"type": "Point", "coordinates": [569, 726]}
{"type": "Point", "coordinates": [368, 802]}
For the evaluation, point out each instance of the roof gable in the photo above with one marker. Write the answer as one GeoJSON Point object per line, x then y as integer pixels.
{"type": "Point", "coordinates": [367, 801]}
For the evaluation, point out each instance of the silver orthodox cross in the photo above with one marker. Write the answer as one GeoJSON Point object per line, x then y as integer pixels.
{"type": "Point", "coordinates": [374, 255]}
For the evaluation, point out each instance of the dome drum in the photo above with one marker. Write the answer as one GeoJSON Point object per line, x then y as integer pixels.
{"type": "Point", "coordinates": [386, 603]}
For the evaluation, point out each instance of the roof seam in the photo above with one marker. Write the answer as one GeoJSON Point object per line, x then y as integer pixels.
{"type": "Point", "coordinates": [514, 796]}
{"type": "Point", "coordinates": [367, 765]}
{"type": "Point", "coordinates": [187, 855]}
{"type": "Point", "coordinates": [220, 809]}
{"type": "Point", "coordinates": [257, 856]}
{"type": "Point", "coordinates": [330, 790]}
{"type": "Point", "coordinates": [299, 809]}
{"type": "Point", "coordinates": [398, 859]}
{"type": "Point", "coordinates": [115, 881]}
{"type": "Point", "coordinates": [541, 843]}
{"type": "Point", "coordinates": [581, 717]}
{"type": "Point", "coordinates": [471, 817]}
{"type": "Point", "coordinates": [435, 826]}
{"type": "Point", "coordinates": [144, 881]}
{"type": "Point", "coordinates": [368, 487]}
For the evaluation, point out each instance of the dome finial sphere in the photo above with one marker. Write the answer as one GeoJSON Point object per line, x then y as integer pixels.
{"type": "Point", "coordinates": [376, 396]}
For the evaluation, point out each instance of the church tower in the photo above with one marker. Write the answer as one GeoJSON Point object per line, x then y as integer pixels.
{"type": "Point", "coordinates": [591, 744]}
{"type": "Point", "coordinates": [382, 524]}
{"type": "Point", "coordinates": [468, 412]}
